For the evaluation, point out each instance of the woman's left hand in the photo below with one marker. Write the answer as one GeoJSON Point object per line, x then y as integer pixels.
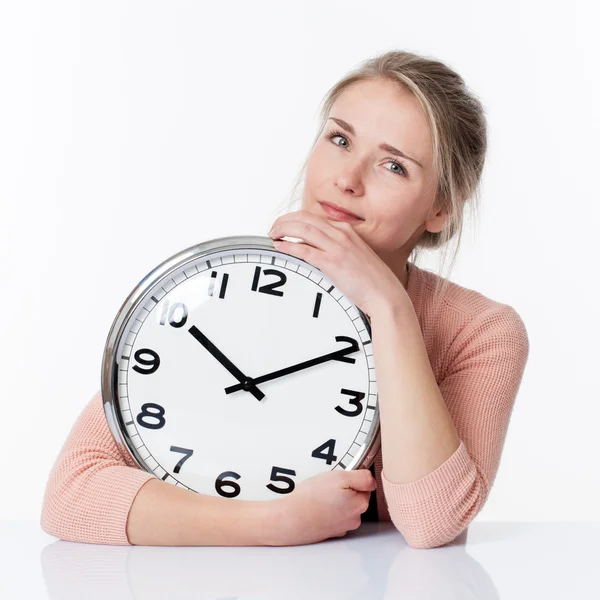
{"type": "Point", "coordinates": [341, 254]}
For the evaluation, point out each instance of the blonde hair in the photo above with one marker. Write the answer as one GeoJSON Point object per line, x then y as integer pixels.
{"type": "Point", "coordinates": [459, 134]}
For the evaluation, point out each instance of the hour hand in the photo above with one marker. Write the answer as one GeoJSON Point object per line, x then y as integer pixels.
{"type": "Point", "coordinates": [337, 355]}
{"type": "Point", "coordinates": [246, 383]}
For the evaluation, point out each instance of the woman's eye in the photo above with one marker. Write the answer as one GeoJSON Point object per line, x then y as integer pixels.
{"type": "Point", "coordinates": [400, 169]}
{"type": "Point", "coordinates": [338, 136]}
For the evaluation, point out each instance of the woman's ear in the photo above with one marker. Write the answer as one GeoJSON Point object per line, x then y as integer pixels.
{"type": "Point", "coordinates": [436, 222]}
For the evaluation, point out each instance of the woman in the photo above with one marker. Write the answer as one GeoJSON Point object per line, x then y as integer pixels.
{"type": "Point", "coordinates": [401, 146]}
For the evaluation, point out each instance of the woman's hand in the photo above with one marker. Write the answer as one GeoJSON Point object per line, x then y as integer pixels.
{"type": "Point", "coordinates": [341, 254]}
{"type": "Point", "coordinates": [326, 505]}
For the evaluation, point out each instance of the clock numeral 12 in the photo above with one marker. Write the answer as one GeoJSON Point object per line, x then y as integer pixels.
{"type": "Point", "coordinates": [268, 288]}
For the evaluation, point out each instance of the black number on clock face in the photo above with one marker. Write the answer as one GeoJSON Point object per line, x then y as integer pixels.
{"type": "Point", "coordinates": [275, 476]}
{"type": "Point", "coordinates": [317, 307]}
{"type": "Point", "coordinates": [147, 414]}
{"type": "Point", "coordinates": [168, 312]}
{"type": "Point", "coordinates": [186, 451]}
{"type": "Point", "coordinates": [351, 349]}
{"type": "Point", "coordinates": [220, 483]}
{"type": "Point", "coordinates": [268, 288]}
{"type": "Point", "coordinates": [356, 401]}
{"type": "Point", "coordinates": [153, 364]}
{"type": "Point", "coordinates": [223, 287]}
{"type": "Point", "coordinates": [329, 456]}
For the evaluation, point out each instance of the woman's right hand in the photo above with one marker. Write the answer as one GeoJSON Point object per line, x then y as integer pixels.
{"type": "Point", "coordinates": [323, 506]}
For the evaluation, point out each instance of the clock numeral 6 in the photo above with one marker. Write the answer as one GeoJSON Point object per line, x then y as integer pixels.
{"type": "Point", "coordinates": [147, 414]}
{"type": "Point", "coordinates": [268, 288]}
{"type": "Point", "coordinates": [220, 483]}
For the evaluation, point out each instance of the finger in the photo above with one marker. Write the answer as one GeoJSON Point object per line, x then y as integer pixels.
{"type": "Point", "coordinates": [335, 229]}
{"type": "Point", "coordinates": [360, 480]}
{"type": "Point", "coordinates": [310, 234]}
{"type": "Point", "coordinates": [305, 252]}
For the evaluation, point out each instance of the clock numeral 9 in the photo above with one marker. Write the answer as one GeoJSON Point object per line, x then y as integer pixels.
{"type": "Point", "coordinates": [268, 288]}
{"type": "Point", "coordinates": [153, 364]}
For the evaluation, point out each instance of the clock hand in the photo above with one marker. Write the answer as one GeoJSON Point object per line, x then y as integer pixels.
{"type": "Point", "coordinates": [337, 355]}
{"type": "Point", "coordinates": [246, 383]}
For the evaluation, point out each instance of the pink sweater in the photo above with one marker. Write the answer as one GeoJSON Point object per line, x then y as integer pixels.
{"type": "Point", "coordinates": [477, 348]}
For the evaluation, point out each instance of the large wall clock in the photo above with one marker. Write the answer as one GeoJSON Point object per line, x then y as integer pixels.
{"type": "Point", "coordinates": [237, 370]}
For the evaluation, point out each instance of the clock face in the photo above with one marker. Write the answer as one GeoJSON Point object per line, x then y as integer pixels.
{"type": "Point", "coordinates": [240, 375]}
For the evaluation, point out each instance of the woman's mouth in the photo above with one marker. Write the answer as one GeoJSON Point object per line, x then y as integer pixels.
{"type": "Point", "coordinates": [337, 215]}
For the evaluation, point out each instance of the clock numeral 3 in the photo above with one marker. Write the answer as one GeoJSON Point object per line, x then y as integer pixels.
{"type": "Point", "coordinates": [146, 414]}
{"type": "Point", "coordinates": [356, 401]}
{"type": "Point", "coordinates": [154, 363]}
{"type": "Point", "coordinates": [329, 456]}
{"type": "Point", "coordinates": [168, 312]}
{"type": "Point", "coordinates": [268, 288]}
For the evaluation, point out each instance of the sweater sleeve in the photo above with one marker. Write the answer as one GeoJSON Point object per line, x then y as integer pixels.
{"type": "Point", "coordinates": [485, 368]}
{"type": "Point", "coordinates": [91, 486]}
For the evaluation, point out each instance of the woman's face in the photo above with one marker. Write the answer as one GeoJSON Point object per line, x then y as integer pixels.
{"type": "Point", "coordinates": [348, 167]}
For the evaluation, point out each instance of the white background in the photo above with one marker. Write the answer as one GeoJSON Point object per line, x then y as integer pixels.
{"type": "Point", "coordinates": [132, 130]}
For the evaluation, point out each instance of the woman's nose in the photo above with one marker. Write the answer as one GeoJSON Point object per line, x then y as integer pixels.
{"type": "Point", "coordinates": [349, 178]}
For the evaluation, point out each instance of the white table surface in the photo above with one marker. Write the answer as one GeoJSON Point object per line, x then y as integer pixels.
{"type": "Point", "coordinates": [492, 561]}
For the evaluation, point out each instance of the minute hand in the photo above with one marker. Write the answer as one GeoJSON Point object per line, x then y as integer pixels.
{"type": "Point", "coordinates": [337, 355]}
